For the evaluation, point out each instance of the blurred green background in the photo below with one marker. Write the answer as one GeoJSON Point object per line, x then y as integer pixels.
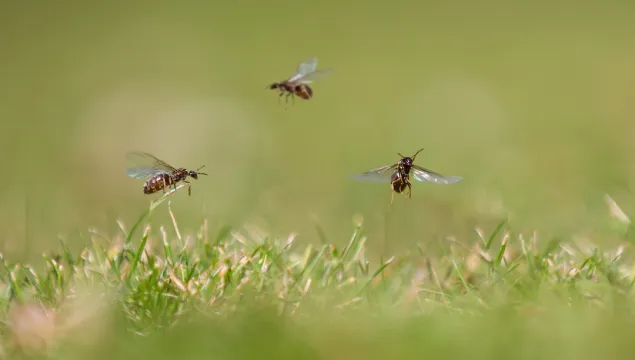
{"type": "Point", "coordinates": [531, 102]}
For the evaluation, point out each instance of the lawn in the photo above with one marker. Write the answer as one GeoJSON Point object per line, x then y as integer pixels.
{"type": "Point", "coordinates": [159, 291]}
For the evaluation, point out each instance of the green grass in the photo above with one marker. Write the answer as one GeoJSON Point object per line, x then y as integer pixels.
{"type": "Point", "coordinates": [240, 293]}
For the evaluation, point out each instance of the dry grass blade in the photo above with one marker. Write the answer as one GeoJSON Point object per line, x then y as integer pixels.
{"type": "Point", "coordinates": [176, 226]}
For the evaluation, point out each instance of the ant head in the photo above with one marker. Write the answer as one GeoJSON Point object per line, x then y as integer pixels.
{"type": "Point", "coordinates": [407, 160]}
{"type": "Point", "coordinates": [273, 86]}
{"type": "Point", "coordinates": [195, 173]}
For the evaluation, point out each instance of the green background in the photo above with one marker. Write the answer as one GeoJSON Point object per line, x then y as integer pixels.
{"type": "Point", "coordinates": [531, 102]}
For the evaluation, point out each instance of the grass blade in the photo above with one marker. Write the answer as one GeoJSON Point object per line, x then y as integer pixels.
{"type": "Point", "coordinates": [137, 257]}
{"type": "Point", "coordinates": [488, 244]}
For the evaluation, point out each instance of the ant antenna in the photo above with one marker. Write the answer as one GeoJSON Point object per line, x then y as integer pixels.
{"type": "Point", "coordinates": [200, 173]}
{"type": "Point", "coordinates": [415, 155]}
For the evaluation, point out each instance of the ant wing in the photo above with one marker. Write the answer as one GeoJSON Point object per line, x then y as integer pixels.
{"type": "Point", "coordinates": [310, 77]}
{"type": "Point", "coordinates": [382, 174]}
{"type": "Point", "coordinates": [425, 175]}
{"type": "Point", "coordinates": [306, 67]}
{"type": "Point", "coordinates": [144, 172]}
{"type": "Point", "coordinates": [143, 159]}
{"type": "Point", "coordinates": [145, 165]}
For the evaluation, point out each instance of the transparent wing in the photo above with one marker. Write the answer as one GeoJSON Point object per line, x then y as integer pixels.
{"type": "Point", "coordinates": [143, 159]}
{"type": "Point", "coordinates": [144, 165]}
{"type": "Point", "coordinates": [310, 77]}
{"type": "Point", "coordinates": [305, 67]}
{"type": "Point", "coordinates": [144, 172]}
{"type": "Point", "coordinates": [382, 174]}
{"type": "Point", "coordinates": [425, 175]}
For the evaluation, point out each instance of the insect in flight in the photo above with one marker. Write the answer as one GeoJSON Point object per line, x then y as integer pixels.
{"type": "Point", "coordinates": [297, 84]}
{"type": "Point", "coordinates": [399, 175]}
{"type": "Point", "coordinates": [159, 174]}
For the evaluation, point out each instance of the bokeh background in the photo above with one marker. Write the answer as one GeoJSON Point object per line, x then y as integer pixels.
{"type": "Point", "coordinates": [532, 103]}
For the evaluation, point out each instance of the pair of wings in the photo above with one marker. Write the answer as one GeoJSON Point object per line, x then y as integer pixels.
{"type": "Point", "coordinates": [305, 73]}
{"type": "Point", "coordinates": [384, 173]}
{"type": "Point", "coordinates": [146, 165]}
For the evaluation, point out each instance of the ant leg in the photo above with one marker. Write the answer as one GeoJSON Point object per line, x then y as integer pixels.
{"type": "Point", "coordinates": [409, 190]}
{"type": "Point", "coordinates": [189, 187]}
{"type": "Point", "coordinates": [286, 100]}
{"type": "Point", "coordinates": [280, 97]}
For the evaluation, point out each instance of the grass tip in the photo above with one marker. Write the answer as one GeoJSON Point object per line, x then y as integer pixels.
{"type": "Point", "coordinates": [358, 220]}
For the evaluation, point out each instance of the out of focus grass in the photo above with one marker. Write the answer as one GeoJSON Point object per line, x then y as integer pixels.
{"type": "Point", "coordinates": [242, 292]}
